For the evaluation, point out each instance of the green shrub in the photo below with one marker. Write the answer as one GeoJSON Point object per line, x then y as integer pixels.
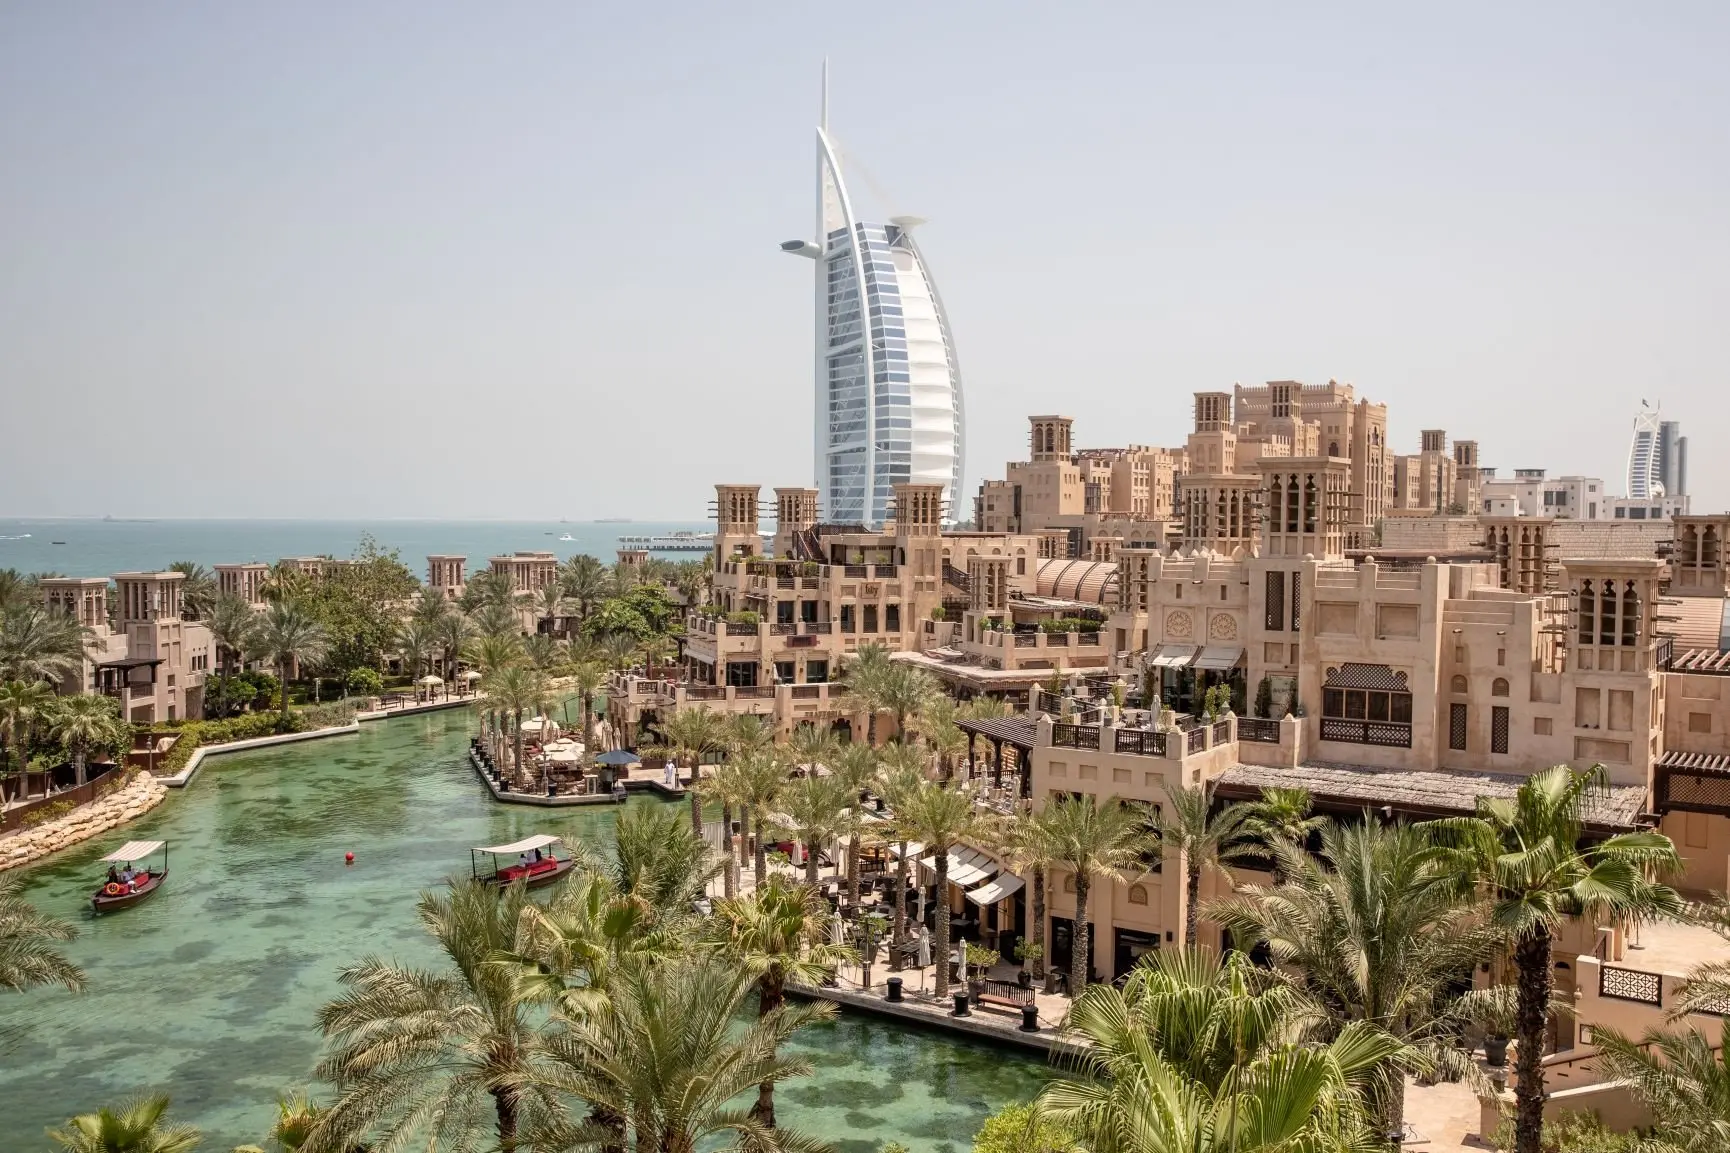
{"type": "Point", "coordinates": [194, 734]}
{"type": "Point", "coordinates": [45, 814]}
{"type": "Point", "coordinates": [1069, 625]}
{"type": "Point", "coordinates": [1013, 1129]}
{"type": "Point", "coordinates": [747, 618]}
{"type": "Point", "coordinates": [364, 682]}
{"type": "Point", "coordinates": [1574, 1133]}
{"type": "Point", "coordinates": [326, 716]}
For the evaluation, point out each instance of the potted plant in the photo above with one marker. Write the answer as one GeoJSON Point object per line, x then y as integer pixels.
{"type": "Point", "coordinates": [1027, 952]}
{"type": "Point", "coordinates": [979, 960]}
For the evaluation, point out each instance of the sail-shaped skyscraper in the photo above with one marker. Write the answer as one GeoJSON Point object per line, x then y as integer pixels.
{"type": "Point", "coordinates": [888, 385]}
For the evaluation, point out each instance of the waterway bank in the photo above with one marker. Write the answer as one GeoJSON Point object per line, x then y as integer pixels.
{"type": "Point", "coordinates": [133, 799]}
{"type": "Point", "coordinates": [209, 990]}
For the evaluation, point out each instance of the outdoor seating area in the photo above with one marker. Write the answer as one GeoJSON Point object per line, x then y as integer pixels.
{"type": "Point", "coordinates": [552, 769]}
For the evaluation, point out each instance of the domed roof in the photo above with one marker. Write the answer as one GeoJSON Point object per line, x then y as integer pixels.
{"type": "Point", "coordinates": [1090, 582]}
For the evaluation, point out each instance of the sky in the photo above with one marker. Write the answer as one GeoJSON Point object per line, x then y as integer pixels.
{"type": "Point", "coordinates": [521, 260]}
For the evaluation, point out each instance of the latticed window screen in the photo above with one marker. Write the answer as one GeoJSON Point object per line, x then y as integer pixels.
{"type": "Point", "coordinates": [1499, 729]}
{"type": "Point", "coordinates": [1275, 601]}
{"type": "Point", "coordinates": [1457, 727]}
{"type": "Point", "coordinates": [1297, 580]}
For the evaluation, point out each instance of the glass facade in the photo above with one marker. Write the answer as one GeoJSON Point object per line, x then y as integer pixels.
{"type": "Point", "coordinates": [888, 384]}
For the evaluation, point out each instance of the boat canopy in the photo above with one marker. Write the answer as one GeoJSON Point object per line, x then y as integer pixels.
{"type": "Point", "coordinates": [133, 851]}
{"type": "Point", "coordinates": [527, 844]}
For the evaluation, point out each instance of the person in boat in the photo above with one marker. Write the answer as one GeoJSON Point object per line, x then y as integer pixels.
{"type": "Point", "coordinates": [113, 875]}
{"type": "Point", "coordinates": [126, 875]}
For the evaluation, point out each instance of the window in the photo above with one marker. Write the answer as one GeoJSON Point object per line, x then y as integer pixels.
{"type": "Point", "coordinates": [1499, 729]}
{"type": "Point", "coordinates": [892, 619]}
{"type": "Point", "coordinates": [1457, 727]}
{"type": "Point", "coordinates": [784, 672]}
{"type": "Point", "coordinates": [1020, 566]}
{"type": "Point", "coordinates": [847, 619]}
{"type": "Point", "coordinates": [1499, 687]}
{"type": "Point", "coordinates": [816, 672]}
{"type": "Point", "coordinates": [1296, 599]}
{"type": "Point", "coordinates": [870, 618]}
{"type": "Point", "coordinates": [1275, 601]}
{"type": "Point", "coordinates": [1541, 726]}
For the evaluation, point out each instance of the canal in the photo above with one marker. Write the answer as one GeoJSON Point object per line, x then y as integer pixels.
{"type": "Point", "coordinates": [208, 991]}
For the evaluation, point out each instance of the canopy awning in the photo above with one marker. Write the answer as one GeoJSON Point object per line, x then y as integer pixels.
{"type": "Point", "coordinates": [914, 849]}
{"type": "Point", "coordinates": [1218, 658]}
{"type": "Point", "coordinates": [967, 868]}
{"type": "Point", "coordinates": [430, 679]}
{"type": "Point", "coordinates": [1173, 656]}
{"type": "Point", "coordinates": [998, 889]}
{"type": "Point", "coordinates": [527, 844]}
{"type": "Point", "coordinates": [133, 851]}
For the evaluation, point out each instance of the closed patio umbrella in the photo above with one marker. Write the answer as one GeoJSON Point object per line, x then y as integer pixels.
{"type": "Point", "coordinates": [924, 957]}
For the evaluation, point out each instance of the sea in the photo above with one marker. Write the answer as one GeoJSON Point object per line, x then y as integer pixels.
{"type": "Point", "coordinates": [101, 547]}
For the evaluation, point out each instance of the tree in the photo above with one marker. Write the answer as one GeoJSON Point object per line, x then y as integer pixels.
{"type": "Point", "coordinates": [866, 678]}
{"type": "Point", "coordinates": [22, 705]}
{"type": "Point", "coordinates": [1188, 827]}
{"type": "Point", "coordinates": [415, 645]}
{"type": "Point", "coordinates": [86, 724]}
{"type": "Point", "coordinates": [28, 957]}
{"type": "Point", "coordinates": [936, 725]}
{"type": "Point", "coordinates": [939, 818]}
{"type": "Point", "coordinates": [690, 735]}
{"type": "Point", "coordinates": [491, 653]}
{"type": "Point", "coordinates": [659, 862]}
{"type": "Point", "coordinates": [856, 770]}
{"type": "Point", "coordinates": [360, 603]}
{"type": "Point", "coordinates": [661, 1053]}
{"type": "Point", "coordinates": [550, 604]}
{"type": "Point", "coordinates": [586, 582]}
{"type": "Point", "coordinates": [907, 692]}
{"type": "Point", "coordinates": [39, 644]}
{"type": "Point", "coordinates": [1092, 840]}
{"type": "Point", "coordinates": [198, 592]}
{"type": "Point", "coordinates": [656, 648]}
{"type": "Point", "coordinates": [900, 774]}
{"type": "Point", "coordinates": [516, 689]}
{"type": "Point", "coordinates": [1682, 1078]}
{"type": "Point", "coordinates": [289, 636]}
{"type": "Point", "coordinates": [762, 777]}
{"type": "Point", "coordinates": [1281, 817]}
{"type": "Point", "coordinates": [587, 679]}
{"type": "Point", "coordinates": [779, 932]}
{"type": "Point", "coordinates": [231, 623]}
{"type": "Point", "coordinates": [1016, 1129]}
{"type": "Point", "coordinates": [1200, 1055]}
{"type": "Point", "coordinates": [449, 1055]}
{"type": "Point", "coordinates": [1522, 855]}
{"type": "Point", "coordinates": [489, 589]}
{"type": "Point", "coordinates": [1027, 846]}
{"type": "Point", "coordinates": [816, 811]}
{"type": "Point", "coordinates": [451, 633]}
{"type": "Point", "coordinates": [1373, 933]}
{"type": "Point", "coordinates": [135, 1127]}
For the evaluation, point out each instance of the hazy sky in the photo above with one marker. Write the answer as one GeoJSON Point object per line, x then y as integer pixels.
{"type": "Point", "coordinates": [520, 260]}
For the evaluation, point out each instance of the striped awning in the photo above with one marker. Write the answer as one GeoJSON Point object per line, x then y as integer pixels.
{"type": "Point", "coordinates": [1003, 886]}
{"type": "Point", "coordinates": [1218, 658]}
{"type": "Point", "coordinates": [133, 851]}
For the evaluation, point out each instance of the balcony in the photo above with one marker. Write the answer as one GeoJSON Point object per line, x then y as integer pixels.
{"type": "Point", "coordinates": [1074, 737]}
{"type": "Point", "coordinates": [1387, 734]}
{"type": "Point", "coordinates": [1258, 729]}
{"type": "Point", "coordinates": [1140, 742]}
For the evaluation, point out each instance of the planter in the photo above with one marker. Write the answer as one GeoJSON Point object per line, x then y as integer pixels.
{"type": "Point", "coordinates": [1496, 1051]}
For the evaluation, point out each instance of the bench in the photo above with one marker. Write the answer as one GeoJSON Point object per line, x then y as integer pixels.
{"type": "Point", "coordinates": [1004, 995]}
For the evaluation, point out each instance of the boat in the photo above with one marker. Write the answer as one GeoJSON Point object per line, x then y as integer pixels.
{"type": "Point", "coordinates": [567, 536]}
{"type": "Point", "coordinates": [543, 868]}
{"type": "Point", "coordinates": [118, 894]}
{"type": "Point", "coordinates": [681, 541]}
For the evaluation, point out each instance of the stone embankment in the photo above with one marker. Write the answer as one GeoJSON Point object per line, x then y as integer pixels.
{"type": "Point", "coordinates": [138, 796]}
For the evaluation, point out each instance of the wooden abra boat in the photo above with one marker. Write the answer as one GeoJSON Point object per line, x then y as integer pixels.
{"type": "Point", "coordinates": [535, 863]}
{"type": "Point", "coordinates": [128, 886]}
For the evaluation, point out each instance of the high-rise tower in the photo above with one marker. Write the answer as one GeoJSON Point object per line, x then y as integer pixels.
{"type": "Point", "coordinates": [888, 386]}
{"type": "Point", "coordinates": [1644, 467]}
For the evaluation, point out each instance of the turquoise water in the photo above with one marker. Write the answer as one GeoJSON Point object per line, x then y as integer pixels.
{"type": "Point", "coordinates": [208, 990]}
{"type": "Point", "coordinates": [92, 547]}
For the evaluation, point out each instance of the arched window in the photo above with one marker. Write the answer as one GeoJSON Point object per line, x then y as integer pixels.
{"type": "Point", "coordinates": [1459, 685]}
{"type": "Point", "coordinates": [1630, 616]}
{"type": "Point", "coordinates": [1333, 448]}
{"type": "Point", "coordinates": [1069, 883]}
{"type": "Point", "coordinates": [1587, 607]}
{"type": "Point", "coordinates": [1310, 498]}
{"type": "Point", "coordinates": [1138, 894]}
{"type": "Point", "coordinates": [1607, 614]}
{"type": "Point", "coordinates": [1499, 687]}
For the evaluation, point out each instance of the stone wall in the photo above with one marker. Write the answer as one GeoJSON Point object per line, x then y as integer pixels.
{"type": "Point", "coordinates": [137, 797]}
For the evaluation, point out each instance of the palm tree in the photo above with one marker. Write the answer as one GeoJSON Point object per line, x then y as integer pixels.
{"type": "Point", "coordinates": [659, 862]}
{"type": "Point", "coordinates": [415, 645]}
{"type": "Point", "coordinates": [662, 1054]}
{"type": "Point", "coordinates": [231, 623]}
{"type": "Point", "coordinates": [550, 604]}
{"type": "Point", "coordinates": [496, 620]}
{"type": "Point", "coordinates": [1189, 828]}
{"type": "Point", "coordinates": [87, 723]}
{"type": "Point", "coordinates": [1522, 856]}
{"type": "Point", "coordinates": [198, 592]}
{"type": "Point", "coordinates": [289, 636]}
{"type": "Point", "coordinates": [762, 777]}
{"type": "Point", "coordinates": [1030, 851]}
{"type": "Point", "coordinates": [866, 678]}
{"type": "Point", "coordinates": [1373, 933]}
{"type": "Point", "coordinates": [658, 647]}
{"type": "Point", "coordinates": [39, 644]}
{"type": "Point", "coordinates": [946, 739]}
{"type": "Point", "coordinates": [22, 704]}
{"type": "Point", "coordinates": [541, 651]}
{"type": "Point", "coordinates": [490, 654]}
{"type": "Point", "coordinates": [27, 955]}
{"type": "Point", "coordinates": [135, 1127]}
{"type": "Point", "coordinates": [779, 932]}
{"type": "Point", "coordinates": [907, 692]}
{"type": "Point", "coordinates": [447, 1056]}
{"type": "Point", "coordinates": [1682, 1078]}
{"type": "Point", "coordinates": [690, 735]}
{"type": "Point", "coordinates": [1202, 1056]}
{"type": "Point", "coordinates": [901, 773]}
{"type": "Point", "coordinates": [490, 589]}
{"type": "Point", "coordinates": [813, 745]}
{"type": "Point", "coordinates": [726, 788]}
{"type": "Point", "coordinates": [516, 689]}
{"type": "Point", "coordinates": [816, 811]}
{"type": "Point", "coordinates": [1092, 841]}
{"type": "Point", "coordinates": [451, 634]}
{"type": "Point", "coordinates": [940, 818]}
{"type": "Point", "coordinates": [856, 770]}
{"type": "Point", "coordinates": [587, 678]}
{"type": "Point", "coordinates": [1282, 815]}
{"type": "Point", "coordinates": [619, 650]}
{"type": "Point", "coordinates": [432, 606]}
{"type": "Point", "coordinates": [586, 582]}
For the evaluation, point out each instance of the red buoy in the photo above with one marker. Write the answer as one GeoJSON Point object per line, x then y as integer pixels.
{"type": "Point", "coordinates": [348, 858]}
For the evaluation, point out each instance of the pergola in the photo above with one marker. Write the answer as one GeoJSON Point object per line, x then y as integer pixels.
{"type": "Point", "coordinates": [1018, 733]}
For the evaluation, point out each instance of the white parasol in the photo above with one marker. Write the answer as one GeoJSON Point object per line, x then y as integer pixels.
{"type": "Point", "coordinates": [471, 675]}
{"type": "Point", "coordinates": [924, 947]}
{"type": "Point", "coordinates": [961, 958]}
{"type": "Point", "coordinates": [837, 931]}
{"type": "Point", "coordinates": [430, 680]}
